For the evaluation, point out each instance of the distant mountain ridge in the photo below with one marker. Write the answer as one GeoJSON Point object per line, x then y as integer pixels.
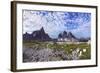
{"type": "Point", "coordinates": [42, 36]}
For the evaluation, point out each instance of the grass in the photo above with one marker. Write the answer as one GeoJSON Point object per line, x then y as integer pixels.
{"type": "Point", "coordinates": [68, 48]}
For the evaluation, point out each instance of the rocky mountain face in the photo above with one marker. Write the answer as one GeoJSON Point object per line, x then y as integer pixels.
{"type": "Point", "coordinates": [66, 36]}
{"type": "Point", "coordinates": [27, 36]}
{"type": "Point", "coordinates": [37, 35]}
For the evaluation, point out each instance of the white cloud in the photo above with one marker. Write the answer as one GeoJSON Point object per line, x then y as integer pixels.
{"type": "Point", "coordinates": [53, 23]}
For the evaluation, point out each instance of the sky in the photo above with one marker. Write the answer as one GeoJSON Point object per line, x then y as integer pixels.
{"type": "Point", "coordinates": [55, 22]}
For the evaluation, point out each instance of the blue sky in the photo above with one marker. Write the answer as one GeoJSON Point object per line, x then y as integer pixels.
{"type": "Point", "coordinates": [55, 22]}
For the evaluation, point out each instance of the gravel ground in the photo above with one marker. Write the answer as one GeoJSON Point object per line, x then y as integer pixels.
{"type": "Point", "coordinates": [46, 54]}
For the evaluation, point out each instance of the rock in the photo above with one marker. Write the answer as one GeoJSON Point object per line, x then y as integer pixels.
{"type": "Point", "coordinates": [37, 35]}
{"type": "Point", "coordinates": [47, 54]}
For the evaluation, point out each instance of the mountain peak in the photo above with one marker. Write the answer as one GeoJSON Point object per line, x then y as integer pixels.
{"type": "Point", "coordinates": [70, 35]}
{"type": "Point", "coordinates": [42, 29]}
{"type": "Point", "coordinates": [38, 35]}
{"type": "Point", "coordinates": [64, 32]}
{"type": "Point", "coordinates": [66, 36]}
